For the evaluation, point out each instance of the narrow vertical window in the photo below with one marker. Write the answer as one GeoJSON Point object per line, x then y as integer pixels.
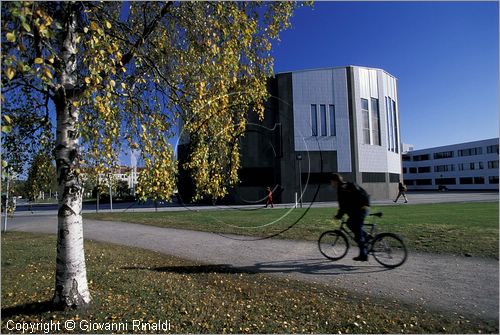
{"type": "Point", "coordinates": [322, 113]}
{"type": "Point", "coordinates": [314, 120]}
{"type": "Point", "coordinates": [333, 130]}
{"type": "Point", "coordinates": [389, 125]}
{"type": "Point", "coordinates": [395, 123]}
{"type": "Point", "coordinates": [365, 113]}
{"type": "Point", "coordinates": [392, 125]}
{"type": "Point", "coordinates": [375, 122]}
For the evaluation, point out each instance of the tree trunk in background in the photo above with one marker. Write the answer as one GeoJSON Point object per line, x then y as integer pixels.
{"type": "Point", "coordinates": [71, 289]}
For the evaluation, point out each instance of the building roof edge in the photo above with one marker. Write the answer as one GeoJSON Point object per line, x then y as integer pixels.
{"type": "Point", "coordinates": [336, 67]}
{"type": "Point", "coordinates": [412, 152]}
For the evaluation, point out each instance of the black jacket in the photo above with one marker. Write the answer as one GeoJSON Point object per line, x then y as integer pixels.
{"type": "Point", "coordinates": [350, 199]}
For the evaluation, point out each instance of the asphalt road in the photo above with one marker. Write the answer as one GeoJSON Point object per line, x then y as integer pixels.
{"type": "Point", "coordinates": [467, 286]}
{"type": "Point", "coordinates": [413, 197]}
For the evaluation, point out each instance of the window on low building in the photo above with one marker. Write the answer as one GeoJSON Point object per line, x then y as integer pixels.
{"type": "Point", "coordinates": [493, 165]}
{"type": "Point", "coordinates": [492, 149]}
{"type": "Point", "coordinates": [470, 152]}
{"type": "Point", "coordinates": [423, 181]}
{"type": "Point", "coordinates": [424, 169]}
{"type": "Point", "coordinates": [445, 181]}
{"type": "Point", "coordinates": [444, 154]}
{"type": "Point", "coordinates": [493, 179]}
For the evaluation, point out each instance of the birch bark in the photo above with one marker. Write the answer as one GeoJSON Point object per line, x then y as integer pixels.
{"type": "Point", "coordinates": [71, 277]}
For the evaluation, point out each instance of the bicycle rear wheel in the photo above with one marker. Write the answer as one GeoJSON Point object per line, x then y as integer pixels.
{"type": "Point", "coordinates": [333, 244]}
{"type": "Point", "coordinates": [389, 250]}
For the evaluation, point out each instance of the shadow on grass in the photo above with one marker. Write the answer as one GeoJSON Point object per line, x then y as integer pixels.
{"type": "Point", "coordinates": [32, 308]}
{"type": "Point", "coordinates": [310, 266]}
{"type": "Point", "coordinates": [194, 269]}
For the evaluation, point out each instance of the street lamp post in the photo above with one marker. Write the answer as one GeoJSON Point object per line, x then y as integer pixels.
{"type": "Point", "coordinates": [299, 160]}
{"type": "Point", "coordinates": [110, 193]}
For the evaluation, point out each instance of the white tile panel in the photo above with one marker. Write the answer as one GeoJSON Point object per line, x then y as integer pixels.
{"type": "Point", "coordinates": [325, 86]}
{"type": "Point", "coordinates": [329, 86]}
{"type": "Point", "coordinates": [343, 137]}
{"type": "Point", "coordinates": [374, 158]}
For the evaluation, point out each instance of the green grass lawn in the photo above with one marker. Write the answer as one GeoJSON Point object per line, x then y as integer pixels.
{"type": "Point", "coordinates": [464, 228]}
{"type": "Point", "coordinates": [133, 284]}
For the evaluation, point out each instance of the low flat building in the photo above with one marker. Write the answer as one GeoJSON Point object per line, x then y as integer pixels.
{"type": "Point", "coordinates": [463, 166]}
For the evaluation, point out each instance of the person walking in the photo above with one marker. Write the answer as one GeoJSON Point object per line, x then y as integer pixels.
{"type": "Point", "coordinates": [269, 197]}
{"type": "Point", "coordinates": [401, 192]}
{"type": "Point", "coordinates": [355, 202]}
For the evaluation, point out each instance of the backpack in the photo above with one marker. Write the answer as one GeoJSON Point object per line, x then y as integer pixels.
{"type": "Point", "coordinates": [362, 195]}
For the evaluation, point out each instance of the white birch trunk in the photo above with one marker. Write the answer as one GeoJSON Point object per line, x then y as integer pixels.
{"type": "Point", "coordinates": [71, 276]}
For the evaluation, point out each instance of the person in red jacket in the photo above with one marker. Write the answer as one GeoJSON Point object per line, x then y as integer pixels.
{"type": "Point", "coordinates": [269, 197]}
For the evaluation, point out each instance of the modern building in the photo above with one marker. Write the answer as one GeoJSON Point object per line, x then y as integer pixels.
{"type": "Point", "coordinates": [464, 166]}
{"type": "Point", "coordinates": [342, 119]}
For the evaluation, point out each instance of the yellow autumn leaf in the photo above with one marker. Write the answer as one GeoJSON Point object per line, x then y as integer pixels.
{"type": "Point", "coordinates": [51, 59]}
{"type": "Point", "coordinates": [87, 80]}
{"type": "Point", "coordinates": [108, 25]}
{"type": "Point", "coordinates": [43, 30]}
{"type": "Point", "coordinates": [93, 25]}
{"type": "Point", "coordinates": [11, 37]}
{"type": "Point", "coordinates": [47, 73]}
{"type": "Point", "coordinates": [38, 60]}
{"type": "Point", "coordinates": [10, 72]}
{"type": "Point", "coordinates": [112, 83]}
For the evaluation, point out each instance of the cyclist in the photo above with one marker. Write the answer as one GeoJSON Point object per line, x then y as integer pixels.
{"type": "Point", "coordinates": [355, 202]}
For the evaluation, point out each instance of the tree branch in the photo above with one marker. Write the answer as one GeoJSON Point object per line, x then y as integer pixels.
{"type": "Point", "coordinates": [148, 30]}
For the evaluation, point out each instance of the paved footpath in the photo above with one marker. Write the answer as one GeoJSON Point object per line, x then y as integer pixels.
{"type": "Point", "coordinates": [467, 286]}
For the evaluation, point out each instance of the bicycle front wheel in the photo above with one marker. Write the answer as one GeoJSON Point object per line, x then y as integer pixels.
{"type": "Point", "coordinates": [333, 244]}
{"type": "Point", "coordinates": [389, 250]}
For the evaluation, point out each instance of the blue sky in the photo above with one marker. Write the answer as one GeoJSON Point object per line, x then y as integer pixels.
{"type": "Point", "coordinates": [444, 54]}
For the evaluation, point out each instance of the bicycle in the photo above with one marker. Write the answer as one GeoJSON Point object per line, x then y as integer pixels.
{"type": "Point", "coordinates": [388, 249]}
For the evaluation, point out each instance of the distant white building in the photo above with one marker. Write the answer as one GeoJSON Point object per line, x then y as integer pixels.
{"type": "Point", "coordinates": [122, 173]}
{"type": "Point", "coordinates": [125, 173]}
{"type": "Point", "coordinates": [464, 166]}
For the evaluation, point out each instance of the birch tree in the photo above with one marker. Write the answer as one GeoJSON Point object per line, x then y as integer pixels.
{"type": "Point", "coordinates": [107, 75]}
{"type": "Point", "coordinates": [41, 176]}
